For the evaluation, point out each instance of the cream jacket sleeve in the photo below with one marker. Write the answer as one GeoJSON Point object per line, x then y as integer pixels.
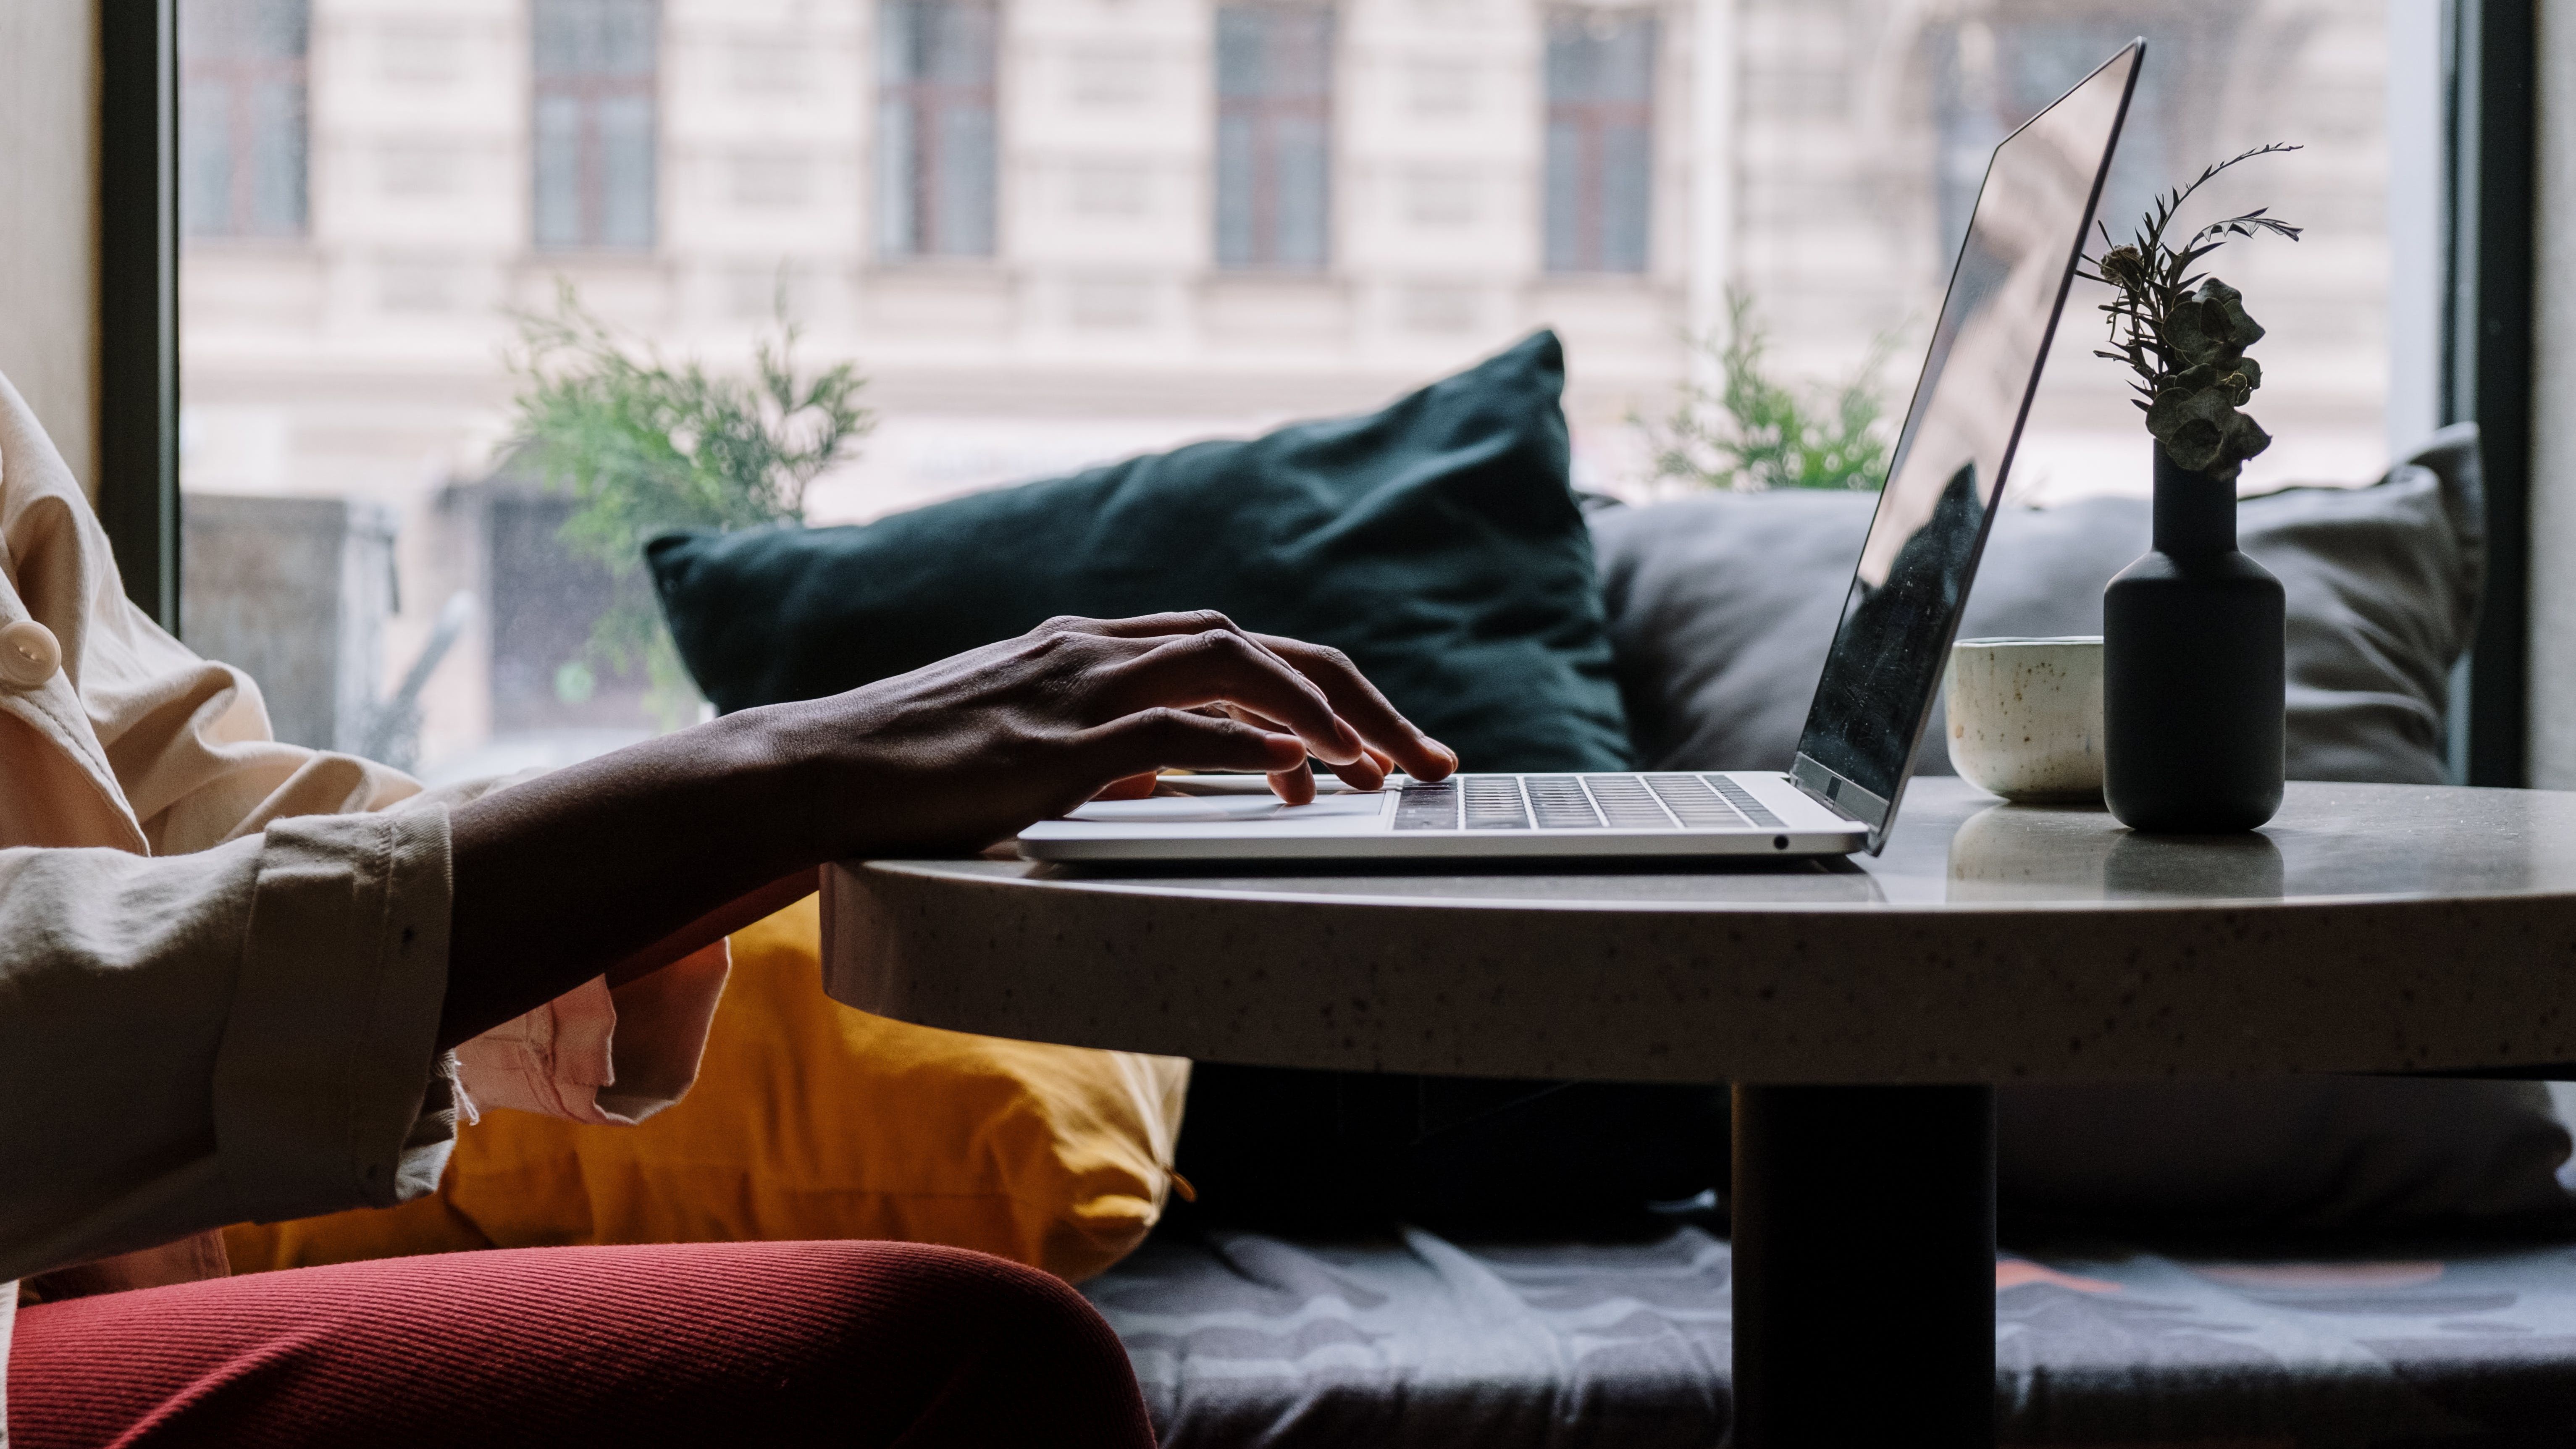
{"type": "Point", "coordinates": [120, 736]}
{"type": "Point", "coordinates": [241, 1033]}
{"type": "Point", "coordinates": [222, 957]}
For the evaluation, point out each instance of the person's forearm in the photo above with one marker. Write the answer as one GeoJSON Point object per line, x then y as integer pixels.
{"type": "Point", "coordinates": [582, 870]}
{"type": "Point", "coordinates": [717, 924]}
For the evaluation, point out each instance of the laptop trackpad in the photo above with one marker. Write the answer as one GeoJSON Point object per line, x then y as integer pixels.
{"type": "Point", "coordinates": [1224, 809]}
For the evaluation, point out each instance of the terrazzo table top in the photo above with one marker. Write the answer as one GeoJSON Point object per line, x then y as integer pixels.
{"type": "Point", "coordinates": [2367, 928]}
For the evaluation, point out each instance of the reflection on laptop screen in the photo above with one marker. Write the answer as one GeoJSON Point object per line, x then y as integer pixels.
{"type": "Point", "coordinates": [1950, 461]}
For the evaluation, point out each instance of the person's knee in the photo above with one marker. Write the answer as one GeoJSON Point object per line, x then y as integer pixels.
{"type": "Point", "coordinates": [1007, 1334]}
{"type": "Point", "coordinates": [1012, 1311]}
{"type": "Point", "coordinates": [1041, 1317]}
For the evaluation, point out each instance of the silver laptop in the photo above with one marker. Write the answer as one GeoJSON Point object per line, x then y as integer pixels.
{"type": "Point", "coordinates": [1944, 480]}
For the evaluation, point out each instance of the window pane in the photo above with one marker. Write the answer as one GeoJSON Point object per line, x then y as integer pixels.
{"type": "Point", "coordinates": [1994, 77]}
{"type": "Point", "coordinates": [1858, 220]}
{"type": "Point", "coordinates": [564, 36]}
{"type": "Point", "coordinates": [1241, 32]}
{"type": "Point", "coordinates": [1235, 246]}
{"type": "Point", "coordinates": [900, 41]}
{"type": "Point", "coordinates": [898, 178]}
{"type": "Point", "coordinates": [221, 31]}
{"type": "Point", "coordinates": [1600, 140]}
{"type": "Point", "coordinates": [1624, 59]}
{"type": "Point", "coordinates": [936, 134]}
{"type": "Point", "coordinates": [626, 171]}
{"type": "Point", "coordinates": [961, 43]}
{"type": "Point", "coordinates": [1565, 208]}
{"type": "Point", "coordinates": [206, 156]}
{"type": "Point", "coordinates": [627, 37]}
{"type": "Point", "coordinates": [241, 117]}
{"type": "Point", "coordinates": [966, 180]}
{"type": "Point", "coordinates": [276, 125]}
{"type": "Point", "coordinates": [1300, 54]}
{"type": "Point", "coordinates": [1569, 60]}
{"type": "Point", "coordinates": [542, 607]}
{"type": "Point", "coordinates": [1274, 149]}
{"type": "Point", "coordinates": [1303, 169]}
{"type": "Point", "coordinates": [558, 171]}
{"type": "Point", "coordinates": [1530, 163]}
{"type": "Point", "coordinates": [594, 119]}
{"type": "Point", "coordinates": [1627, 191]}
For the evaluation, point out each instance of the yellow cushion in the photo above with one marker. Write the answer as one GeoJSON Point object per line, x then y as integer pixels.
{"type": "Point", "coordinates": [809, 1120]}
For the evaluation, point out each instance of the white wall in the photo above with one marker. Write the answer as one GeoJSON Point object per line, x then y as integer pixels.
{"type": "Point", "coordinates": [2553, 415]}
{"type": "Point", "coordinates": [49, 217]}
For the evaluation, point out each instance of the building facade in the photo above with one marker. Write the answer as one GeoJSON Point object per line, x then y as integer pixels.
{"type": "Point", "coordinates": [1057, 231]}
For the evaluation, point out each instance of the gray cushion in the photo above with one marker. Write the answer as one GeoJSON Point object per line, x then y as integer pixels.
{"type": "Point", "coordinates": [1721, 608]}
{"type": "Point", "coordinates": [2308, 1154]}
{"type": "Point", "coordinates": [1242, 1341]}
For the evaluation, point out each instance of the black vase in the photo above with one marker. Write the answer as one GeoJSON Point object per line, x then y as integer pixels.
{"type": "Point", "coordinates": [2192, 670]}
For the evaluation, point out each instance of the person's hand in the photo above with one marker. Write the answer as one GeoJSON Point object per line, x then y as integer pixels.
{"type": "Point", "coordinates": [969, 750]}
{"type": "Point", "coordinates": [619, 863]}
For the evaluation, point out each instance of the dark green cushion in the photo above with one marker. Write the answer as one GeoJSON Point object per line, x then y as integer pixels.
{"type": "Point", "coordinates": [1435, 542]}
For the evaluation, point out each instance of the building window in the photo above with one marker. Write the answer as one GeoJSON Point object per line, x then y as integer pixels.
{"type": "Point", "coordinates": [935, 131]}
{"type": "Point", "coordinates": [1600, 140]}
{"type": "Point", "coordinates": [1992, 76]}
{"type": "Point", "coordinates": [241, 117]}
{"type": "Point", "coordinates": [594, 64]}
{"type": "Point", "coordinates": [1274, 102]}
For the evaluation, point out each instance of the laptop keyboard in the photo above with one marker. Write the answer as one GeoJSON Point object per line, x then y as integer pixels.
{"type": "Point", "coordinates": [1742, 799]}
{"type": "Point", "coordinates": [1579, 802]}
{"type": "Point", "coordinates": [1494, 803]}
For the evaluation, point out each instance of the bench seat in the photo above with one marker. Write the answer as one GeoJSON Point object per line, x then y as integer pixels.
{"type": "Point", "coordinates": [1251, 1342]}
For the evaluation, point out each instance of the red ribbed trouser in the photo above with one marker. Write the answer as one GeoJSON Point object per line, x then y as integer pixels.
{"type": "Point", "coordinates": [846, 1344]}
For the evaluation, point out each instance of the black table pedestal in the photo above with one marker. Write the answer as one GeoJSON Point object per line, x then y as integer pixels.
{"type": "Point", "coordinates": [1864, 1227]}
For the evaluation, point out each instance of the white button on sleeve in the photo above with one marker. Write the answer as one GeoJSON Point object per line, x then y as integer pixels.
{"type": "Point", "coordinates": [29, 654]}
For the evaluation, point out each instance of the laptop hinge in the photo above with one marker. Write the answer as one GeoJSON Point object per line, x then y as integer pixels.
{"type": "Point", "coordinates": [1826, 788]}
{"type": "Point", "coordinates": [1830, 803]}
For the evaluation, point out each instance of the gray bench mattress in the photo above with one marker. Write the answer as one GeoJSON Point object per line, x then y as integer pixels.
{"type": "Point", "coordinates": [1244, 1340]}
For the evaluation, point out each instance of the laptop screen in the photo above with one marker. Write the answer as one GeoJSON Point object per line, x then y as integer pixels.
{"type": "Point", "coordinates": [1956, 448]}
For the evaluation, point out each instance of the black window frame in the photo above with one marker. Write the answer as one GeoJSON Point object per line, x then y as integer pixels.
{"type": "Point", "coordinates": [2491, 85]}
{"type": "Point", "coordinates": [138, 298]}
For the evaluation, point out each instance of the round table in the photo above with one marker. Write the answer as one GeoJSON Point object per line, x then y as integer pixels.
{"type": "Point", "coordinates": [1863, 1008]}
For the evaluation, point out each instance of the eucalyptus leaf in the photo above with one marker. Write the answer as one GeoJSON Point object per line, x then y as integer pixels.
{"type": "Point", "coordinates": [2182, 334]}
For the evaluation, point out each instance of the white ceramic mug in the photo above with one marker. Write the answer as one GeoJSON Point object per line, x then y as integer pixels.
{"type": "Point", "coordinates": [2026, 716]}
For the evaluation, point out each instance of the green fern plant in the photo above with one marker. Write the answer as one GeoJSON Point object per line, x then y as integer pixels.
{"type": "Point", "coordinates": [1752, 431]}
{"type": "Point", "coordinates": [644, 445]}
